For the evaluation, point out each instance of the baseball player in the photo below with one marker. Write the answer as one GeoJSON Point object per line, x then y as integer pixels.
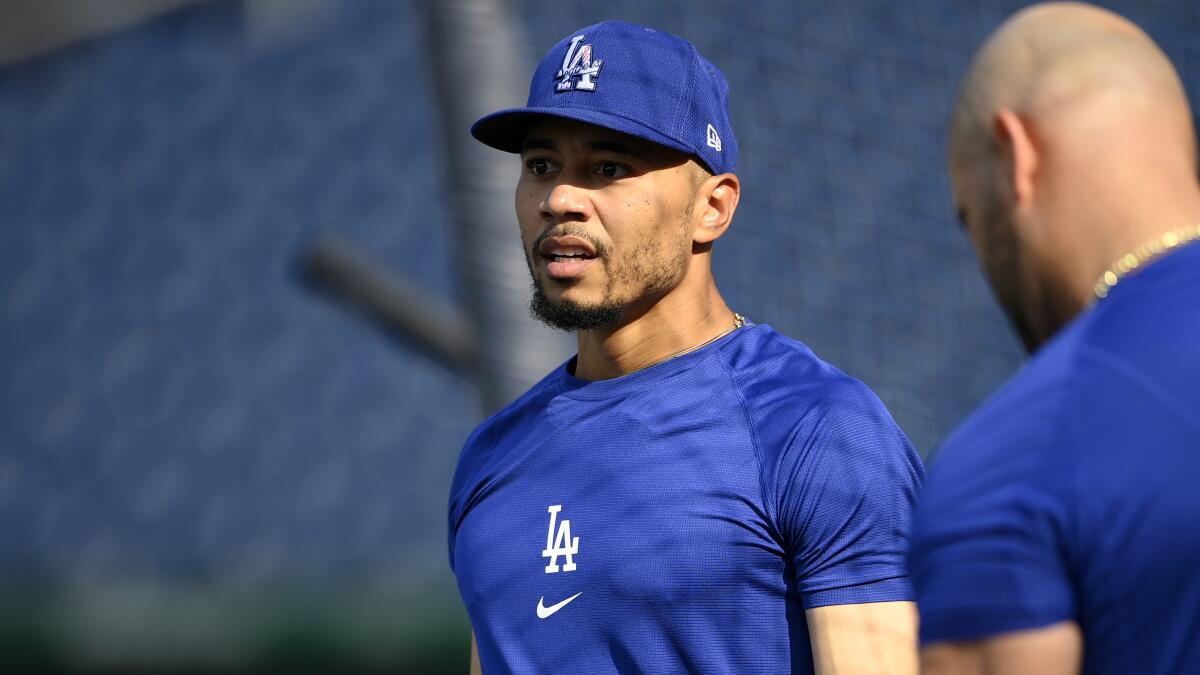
{"type": "Point", "coordinates": [692, 492]}
{"type": "Point", "coordinates": [1059, 531]}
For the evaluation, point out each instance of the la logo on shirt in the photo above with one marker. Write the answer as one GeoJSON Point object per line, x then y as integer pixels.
{"type": "Point", "coordinates": [560, 544]}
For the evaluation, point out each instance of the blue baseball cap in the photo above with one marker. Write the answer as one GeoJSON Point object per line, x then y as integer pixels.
{"type": "Point", "coordinates": [632, 79]}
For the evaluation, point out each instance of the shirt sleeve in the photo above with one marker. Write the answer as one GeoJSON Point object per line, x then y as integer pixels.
{"type": "Point", "coordinates": [465, 479]}
{"type": "Point", "coordinates": [989, 546]}
{"type": "Point", "coordinates": [847, 484]}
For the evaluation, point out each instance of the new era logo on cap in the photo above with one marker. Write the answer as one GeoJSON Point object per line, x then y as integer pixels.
{"type": "Point", "coordinates": [655, 86]}
{"type": "Point", "coordinates": [714, 141]}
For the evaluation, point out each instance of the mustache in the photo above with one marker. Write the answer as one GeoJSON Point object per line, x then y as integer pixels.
{"type": "Point", "coordinates": [569, 230]}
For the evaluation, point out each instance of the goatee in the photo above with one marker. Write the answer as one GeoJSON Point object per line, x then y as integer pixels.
{"type": "Point", "coordinates": [569, 316]}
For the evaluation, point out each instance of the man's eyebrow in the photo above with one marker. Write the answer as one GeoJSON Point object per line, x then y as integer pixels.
{"type": "Point", "coordinates": [537, 144]}
{"type": "Point", "coordinates": [615, 147]}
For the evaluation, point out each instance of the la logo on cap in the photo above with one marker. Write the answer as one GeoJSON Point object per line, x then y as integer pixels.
{"type": "Point", "coordinates": [578, 63]}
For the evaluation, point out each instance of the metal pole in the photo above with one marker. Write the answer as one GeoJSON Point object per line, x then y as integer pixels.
{"type": "Point", "coordinates": [476, 52]}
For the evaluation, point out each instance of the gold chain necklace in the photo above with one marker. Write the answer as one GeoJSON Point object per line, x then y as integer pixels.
{"type": "Point", "coordinates": [1142, 255]}
{"type": "Point", "coordinates": [738, 322]}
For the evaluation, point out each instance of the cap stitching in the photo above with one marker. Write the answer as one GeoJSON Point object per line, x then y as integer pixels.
{"type": "Point", "coordinates": [690, 82]}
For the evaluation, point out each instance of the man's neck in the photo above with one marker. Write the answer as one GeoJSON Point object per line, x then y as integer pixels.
{"type": "Point", "coordinates": [669, 327]}
{"type": "Point", "coordinates": [1146, 219]}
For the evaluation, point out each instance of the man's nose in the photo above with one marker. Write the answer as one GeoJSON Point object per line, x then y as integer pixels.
{"type": "Point", "coordinates": [566, 202]}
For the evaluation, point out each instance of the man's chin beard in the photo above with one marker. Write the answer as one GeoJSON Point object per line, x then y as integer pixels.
{"type": "Point", "coordinates": [571, 316]}
{"type": "Point", "coordinates": [1043, 314]}
{"type": "Point", "coordinates": [1024, 329]}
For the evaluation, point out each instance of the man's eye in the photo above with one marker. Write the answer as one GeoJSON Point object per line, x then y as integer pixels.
{"type": "Point", "coordinates": [612, 170]}
{"type": "Point", "coordinates": [538, 167]}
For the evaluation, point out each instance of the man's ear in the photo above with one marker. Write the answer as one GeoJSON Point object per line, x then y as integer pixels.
{"type": "Point", "coordinates": [1018, 155]}
{"type": "Point", "coordinates": [718, 196]}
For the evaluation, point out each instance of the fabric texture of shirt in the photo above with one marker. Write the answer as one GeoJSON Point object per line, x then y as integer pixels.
{"type": "Point", "coordinates": [1074, 493]}
{"type": "Point", "coordinates": [688, 513]}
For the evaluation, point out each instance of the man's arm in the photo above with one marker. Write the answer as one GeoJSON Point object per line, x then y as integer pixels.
{"type": "Point", "coordinates": [873, 637]}
{"type": "Point", "coordinates": [476, 669]}
{"type": "Point", "coordinates": [1054, 650]}
{"type": "Point", "coordinates": [847, 482]}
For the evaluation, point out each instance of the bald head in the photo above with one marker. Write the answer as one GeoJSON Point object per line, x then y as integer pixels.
{"type": "Point", "coordinates": [1069, 68]}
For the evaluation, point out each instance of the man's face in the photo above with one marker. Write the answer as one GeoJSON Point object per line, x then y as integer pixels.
{"type": "Point", "coordinates": [606, 222]}
{"type": "Point", "coordinates": [988, 220]}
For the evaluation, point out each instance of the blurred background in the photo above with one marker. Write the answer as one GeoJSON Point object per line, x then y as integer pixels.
{"type": "Point", "coordinates": [257, 285]}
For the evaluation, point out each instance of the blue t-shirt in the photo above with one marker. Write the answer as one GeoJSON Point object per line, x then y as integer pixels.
{"type": "Point", "coordinates": [1074, 494]}
{"type": "Point", "coordinates": [686, 514]}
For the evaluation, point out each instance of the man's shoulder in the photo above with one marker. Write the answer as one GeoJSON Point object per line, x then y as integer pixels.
{"type": "Point", "coordinates": [512, 418]}
{"type": "Point", "coordinates": [1028, 405]}
{"type": "Point", "coordinates": [767, 363]}
{"type": "Point", "coordinates": [531, 399]}
{"type": "Point", "coordinates": [791, 394]}
{"type": "Point", "coordinates": [1013, 449]}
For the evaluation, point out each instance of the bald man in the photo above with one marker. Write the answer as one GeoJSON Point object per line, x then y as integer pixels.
{"type": "Point", "coordinates": [1059, 530]}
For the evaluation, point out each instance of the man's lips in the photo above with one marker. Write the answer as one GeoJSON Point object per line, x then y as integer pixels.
{"type": "Point", "coordinates": [566, 257]}
{"type": "Point", "coordinates": [566, 246]}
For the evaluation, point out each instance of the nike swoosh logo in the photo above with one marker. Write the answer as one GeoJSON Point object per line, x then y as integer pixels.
{"type": "Point", "coordinates": [544, 612]}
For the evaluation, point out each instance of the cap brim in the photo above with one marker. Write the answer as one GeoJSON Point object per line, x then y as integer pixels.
{"type": "Point", "coordinates": [505, 129]}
